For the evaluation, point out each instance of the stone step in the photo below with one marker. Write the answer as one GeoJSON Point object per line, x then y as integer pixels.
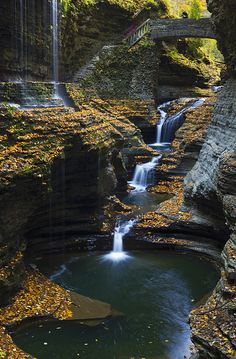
{"type": "Point", "coordinates": [90, 66]}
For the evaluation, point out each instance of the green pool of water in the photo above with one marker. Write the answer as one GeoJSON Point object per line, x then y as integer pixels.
{"type": "Point", "coordinates": [155, 292]}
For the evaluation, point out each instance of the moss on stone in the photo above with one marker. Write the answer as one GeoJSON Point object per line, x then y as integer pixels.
{"type": "Point", "coordinates": [32, 139]}
{"type": "Point", "coordinates": [203, 65]}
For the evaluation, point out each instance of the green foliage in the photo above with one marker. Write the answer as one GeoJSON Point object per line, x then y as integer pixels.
{"type": "Point", "coordinates": [3, 354]}
{"type": "Point", "coordinates": [131, 5]}
{"type": "Point", "coordinates": [178, 6]}
{"type": "Point", "coordinates": [195, 9]}
{"type": "Point", "coordinates": [10, 111]}
{"type": "Point", "coordinates": [201, 62]}
{"type": "Point", "coordinates": [194, 45]}
{"type": "Point", "coordinates": [210, 49]}
{"type": "Point", "coordinates": [204, 50]}
{"type": "Point", "coordinates": [65, 4]}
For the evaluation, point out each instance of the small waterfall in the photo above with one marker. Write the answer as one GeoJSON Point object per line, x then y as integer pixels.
{"type": "Point", "coordinates": [161, 122]}
{"type": "Point", "coordinates": [122, 228]}
{"type": "Point", "coordinates": [144, 175]}
{"type": "Point", "coordinates": [120, 231]}
{"type": "Point", "coordinates": [168, 126]}
{"type": "Point", "coordinates": [55, 45]}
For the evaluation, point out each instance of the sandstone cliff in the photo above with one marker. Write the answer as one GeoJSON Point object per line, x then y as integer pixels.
{"type": "Point", "coordinates": [210, 190]}
{"type": "Point", "coordinates": [59, 166]}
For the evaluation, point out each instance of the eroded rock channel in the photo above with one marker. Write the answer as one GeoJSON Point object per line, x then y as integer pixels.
{"type": "Point", "coordinates": [117, 182]}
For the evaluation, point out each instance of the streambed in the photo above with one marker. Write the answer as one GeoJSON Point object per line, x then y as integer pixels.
{"type": "Point", "coordinates": [155, 291]}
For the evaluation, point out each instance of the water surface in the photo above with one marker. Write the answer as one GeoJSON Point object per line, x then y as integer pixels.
{"type": "Point", "coordinates": [155, 292]}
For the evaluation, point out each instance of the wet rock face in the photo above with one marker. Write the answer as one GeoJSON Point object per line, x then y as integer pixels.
{"type": "Point", "coordinates": [81, 183]}
{"type": "Point", "coordinates": [224, 21]}
{"type": "Point", "coordinates": [62, 188]}
{"type": "Point", "coordinates": [214, 332]}
{"type": "Point", "coordinates": [26, 36]}
{"type": "Point", "coordinates": [210, 188]}
{"type": "Point", "coordinates": [43, 219]}
{"type": "Point", "coordinates": [19, 202]}
{"type": "Point", "coordinates": [201, 183]}
{"type": "Point", "coordinates": [86, 29]}
{"type": "Point", "coordinates": [32, 37]}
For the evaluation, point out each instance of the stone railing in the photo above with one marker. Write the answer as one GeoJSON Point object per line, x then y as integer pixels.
{"type": "Point", "coordinates": [164, 29]}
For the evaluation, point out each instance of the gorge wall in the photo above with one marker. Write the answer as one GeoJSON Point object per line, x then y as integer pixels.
{"type": "Point", "coordinates": [48, 201]}
{"type": "Point", "coordinates": [210, 191]}
{"type": "Point", "coordinates": [25, 39]}
{"type": "Point", "coordinates": [60, 171]}
{"type": "Point", "coordinates": [26, 43]}
{"type": "Point", "coordinates": [26, 36]}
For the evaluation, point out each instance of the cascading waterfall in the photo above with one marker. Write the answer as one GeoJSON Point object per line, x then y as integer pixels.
{"type": "Point", "coordinates": [55, 45]}
{"type": "Point", "coordinates": [168, 126]}
{"type": "Point", "coordinates": [161, 122]}
{"type": "Point", "coordinates": [144, 175]}
{"type": "Point", "coordinates": [121, 229]}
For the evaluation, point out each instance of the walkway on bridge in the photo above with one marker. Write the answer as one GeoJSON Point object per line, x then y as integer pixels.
{"type": "Point", "coordinates": [164, 29]}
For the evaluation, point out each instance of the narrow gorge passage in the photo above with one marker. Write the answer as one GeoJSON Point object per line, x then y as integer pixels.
{"type": "Point", "coordinates": [145, 174]}
{"type": "Point", "coordinates": [139, 285]}
{"type": "Point", "coordinates": [117, 179]}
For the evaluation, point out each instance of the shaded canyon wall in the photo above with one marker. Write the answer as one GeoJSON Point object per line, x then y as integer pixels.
{"type": "Point", "coordinates": [210, 191]}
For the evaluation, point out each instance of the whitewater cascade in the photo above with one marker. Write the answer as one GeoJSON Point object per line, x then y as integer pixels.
{"type": "Point", "coordinates": [163, 117]}
{"type": "Point", "coordinates": [144, 175]}
{"type": "Point", "coordinates": [167, 126]}
{"type": "Point", "coordinates": [121, 229]}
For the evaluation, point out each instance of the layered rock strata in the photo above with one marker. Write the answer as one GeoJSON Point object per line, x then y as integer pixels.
{"type": "Point", "coordinates": [59, 168]}
{"type": "Point", "coordinates": [210, 188]}
{"type": "Point", "coordinates": [210, 191]}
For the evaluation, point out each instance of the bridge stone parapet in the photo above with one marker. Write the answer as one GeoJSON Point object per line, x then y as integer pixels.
{"type": "Point", "coordinates": [167, 29]}
{"type": "Point", "coordinates": [181, 28]}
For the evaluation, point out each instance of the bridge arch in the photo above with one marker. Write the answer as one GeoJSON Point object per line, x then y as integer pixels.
{"type": "Point", "coordinates": [181, 28]}
{"type": "Point", "coordinates": [166, 29]}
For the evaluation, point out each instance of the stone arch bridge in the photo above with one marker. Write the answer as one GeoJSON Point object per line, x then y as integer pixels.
{"type": "Point", "coordinates": [166, 29]}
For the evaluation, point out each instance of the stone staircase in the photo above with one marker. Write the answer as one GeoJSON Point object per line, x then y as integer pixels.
{"type": "Point", "coordinates": [90, 66]}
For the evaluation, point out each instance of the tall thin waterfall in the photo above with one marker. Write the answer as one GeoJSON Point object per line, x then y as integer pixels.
{"type": "Point", "coordinates": [21, 28]}
{"type": "Point", "coordinates": [20, 33]}
{"type": "Point", "coordinates": [25, 41]}
{"type": "Point", "coordinates": [55, 44]}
